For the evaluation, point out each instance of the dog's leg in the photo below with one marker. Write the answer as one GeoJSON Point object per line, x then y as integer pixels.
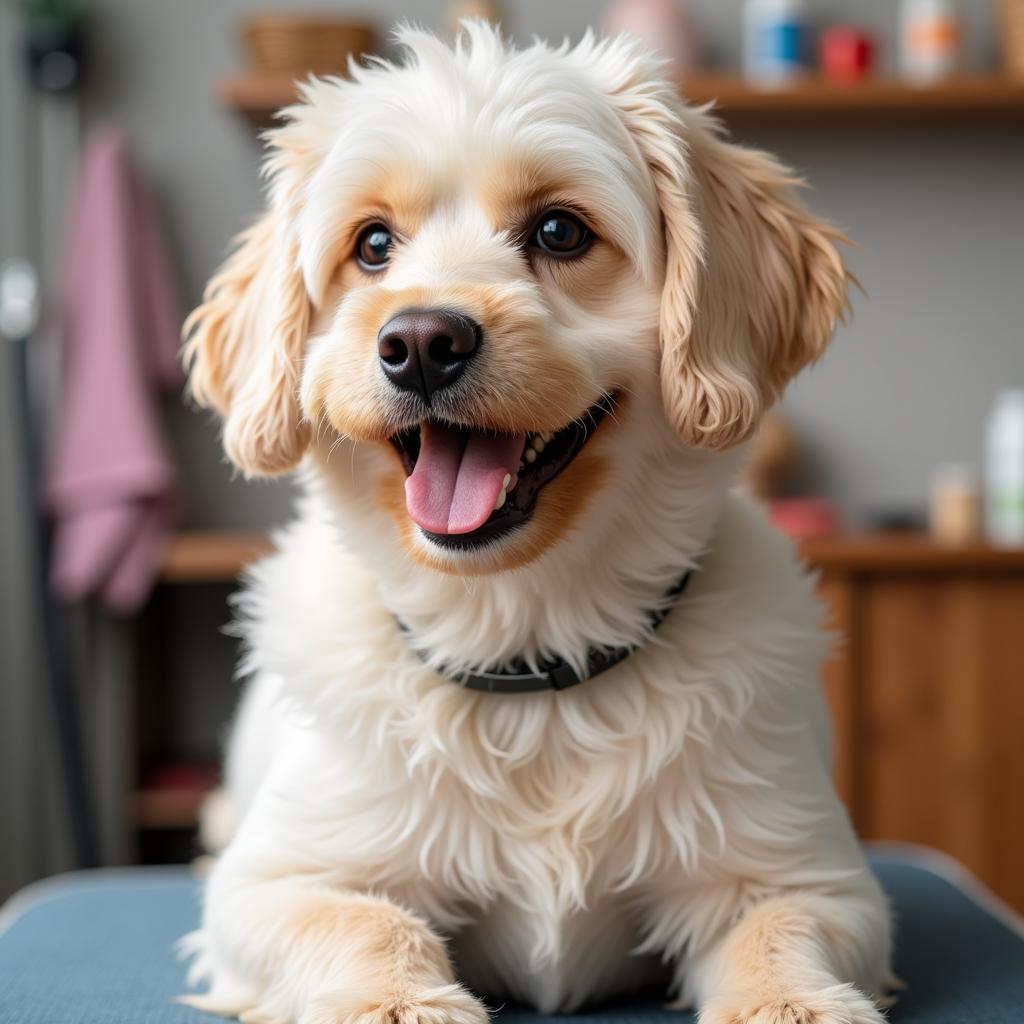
{"type": "Point", "coordinates": [793, 958]}
{"type": "Point", "coordinates": [294, 949]}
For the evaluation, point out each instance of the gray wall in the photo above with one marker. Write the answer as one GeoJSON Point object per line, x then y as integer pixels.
{"type": "Point", "coordinates": [938, 213]}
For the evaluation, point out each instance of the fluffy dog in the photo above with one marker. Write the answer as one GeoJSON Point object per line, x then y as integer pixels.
{"type": "Point", "coordinates": [514, 313]}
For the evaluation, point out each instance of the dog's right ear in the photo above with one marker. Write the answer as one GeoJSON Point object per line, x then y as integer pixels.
{"type": "Point", "coordinates": [245, 342]}
{"type": "Point", "coordinates": [244, 349]}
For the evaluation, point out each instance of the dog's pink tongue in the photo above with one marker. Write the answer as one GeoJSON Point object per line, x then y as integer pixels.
{"type": "Point", "coordinates": [458, 477]}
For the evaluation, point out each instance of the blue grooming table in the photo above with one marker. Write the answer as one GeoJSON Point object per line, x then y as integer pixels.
{"type": "Point", "coordinates": [98, 948]}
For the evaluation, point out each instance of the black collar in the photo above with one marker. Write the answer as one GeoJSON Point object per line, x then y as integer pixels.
{"type": "Point", "coordinates": [556, 673]}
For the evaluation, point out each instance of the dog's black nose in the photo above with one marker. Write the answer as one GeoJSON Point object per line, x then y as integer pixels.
{"type": "Point", "coordinates": [424, 350]}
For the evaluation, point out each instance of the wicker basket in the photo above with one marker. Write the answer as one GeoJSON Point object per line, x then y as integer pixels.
{"type": "Point", "coordinates": [1013, 38]}
{"type": "Point", "coordinates": [293, 44]}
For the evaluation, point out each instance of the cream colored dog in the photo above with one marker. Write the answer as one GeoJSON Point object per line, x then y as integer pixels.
{"type": "Point", "coordinates": [514, 312]}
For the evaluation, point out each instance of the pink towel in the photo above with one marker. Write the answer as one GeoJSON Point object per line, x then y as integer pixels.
{"type": "Point", "coordinates": [112, 483]}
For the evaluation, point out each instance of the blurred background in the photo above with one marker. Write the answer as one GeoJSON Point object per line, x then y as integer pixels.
{"type": "Point", "coordinates": [129, 156]}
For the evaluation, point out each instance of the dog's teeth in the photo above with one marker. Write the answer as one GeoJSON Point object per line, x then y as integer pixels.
{"type": "Point", "coordinates": [548, 437]}
{"type": "Point", "coordinates": [506, 481]}
{"type": "Point", "coordinates": [522, 466]}
{"type": "Point", "coordinates": [530, 455]}
{"type": "Point", "coordinates": [538, 444]}
{"type": "Point", "coordinates": [500, 500]}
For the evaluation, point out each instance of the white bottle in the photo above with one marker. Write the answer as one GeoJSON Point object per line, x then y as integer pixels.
{"type": "Point", "coordinates": [1004, 469]}
{"type": "Point", "coordinates": [929, 40]}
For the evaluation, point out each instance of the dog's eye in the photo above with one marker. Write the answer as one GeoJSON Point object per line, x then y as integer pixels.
{"type": "Point", "coordinates": [561, 234]}
{"type": "Point", "coordinates": [373, 247]}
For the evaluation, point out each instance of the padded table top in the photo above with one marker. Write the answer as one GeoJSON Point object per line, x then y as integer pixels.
{"type": "Point", "coordinates": [97, 948]}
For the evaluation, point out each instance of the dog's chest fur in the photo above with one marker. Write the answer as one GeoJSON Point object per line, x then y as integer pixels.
{"type": "Point", "coordinates": [535, 848]}
{"type": "Point", "coordinates": [559, 917]}
{"type": "Point", "coordinates": [515, 823]}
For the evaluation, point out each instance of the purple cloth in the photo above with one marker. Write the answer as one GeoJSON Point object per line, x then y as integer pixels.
{"type": "Point", "coordinates": [111, 484]}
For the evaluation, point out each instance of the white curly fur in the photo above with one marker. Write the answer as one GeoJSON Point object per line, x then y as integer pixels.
{"type": "Point", "coordinates": [672, 819]}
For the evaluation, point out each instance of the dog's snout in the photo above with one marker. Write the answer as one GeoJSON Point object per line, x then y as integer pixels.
{"type": "Point", "coordinates": [425, 350]}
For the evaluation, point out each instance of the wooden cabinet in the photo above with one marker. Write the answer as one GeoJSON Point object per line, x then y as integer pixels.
{"type": "Point", "coordinates": [927, 691]}
{"type": "Point", "coordinates": [926, 688]}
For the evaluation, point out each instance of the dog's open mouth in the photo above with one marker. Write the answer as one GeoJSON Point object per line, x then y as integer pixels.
{"type": "Point", "coordinates": [466, 486]}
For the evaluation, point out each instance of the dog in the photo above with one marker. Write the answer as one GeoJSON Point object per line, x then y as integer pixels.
{"type": "Point", "coordinates": [512, 314]}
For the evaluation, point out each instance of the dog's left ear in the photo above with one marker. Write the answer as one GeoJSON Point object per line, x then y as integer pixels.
{"type": "Point", "coordinates": [753, 282]}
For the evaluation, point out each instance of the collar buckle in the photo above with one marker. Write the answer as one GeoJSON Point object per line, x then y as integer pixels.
{"type": "Point", "coordinates": [561, 676]}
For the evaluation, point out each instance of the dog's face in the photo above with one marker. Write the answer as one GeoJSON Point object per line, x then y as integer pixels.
{"type": "Point", "coordinates": [499, 274]}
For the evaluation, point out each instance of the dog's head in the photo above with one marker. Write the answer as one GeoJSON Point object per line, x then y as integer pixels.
{"type": "Point", "coordinates": [501, 276]}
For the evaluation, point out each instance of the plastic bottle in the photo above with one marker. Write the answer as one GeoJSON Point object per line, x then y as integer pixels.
{"type": "Point", "coordinates": [929, 40]}
{"type": "Point", "coordinates": [1004, 469]}
{"type": "Point", "coordinates": [774, 41]}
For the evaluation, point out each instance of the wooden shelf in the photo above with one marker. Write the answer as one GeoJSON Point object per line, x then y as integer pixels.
{"type": "Point", "coordinates": [210, 556]}
{"type": "Point", "coordinates": [907, 553]}
{"type": "Point", "coordinates": [979, 99]}
{"type": "Point", "coordinates": [877, 100]}
{"type": "Point", "coordinates": [220, 556]}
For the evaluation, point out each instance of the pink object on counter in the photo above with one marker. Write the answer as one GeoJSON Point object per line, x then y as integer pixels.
{"type": "Point", "coordinates": [803, 518]}
{"type": "Point", "coordinates": [111, 484]}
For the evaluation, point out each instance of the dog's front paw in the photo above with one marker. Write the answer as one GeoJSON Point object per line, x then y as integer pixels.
{"type": "Point", "coordinates": [839, 1004]}
{"type": "Point", "coordinates": [445, 1004]}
